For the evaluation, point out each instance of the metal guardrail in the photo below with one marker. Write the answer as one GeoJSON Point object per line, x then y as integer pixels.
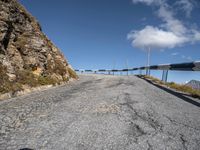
{"type": "Point", "coordinates": [189, 66]}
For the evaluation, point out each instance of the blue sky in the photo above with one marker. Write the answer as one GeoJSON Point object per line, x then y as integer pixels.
{"type": "Point", "coordinates": [93, 34]}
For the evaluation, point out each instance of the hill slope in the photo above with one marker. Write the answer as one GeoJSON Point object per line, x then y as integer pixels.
{"type": "Point", "coordinates": [25, 52]}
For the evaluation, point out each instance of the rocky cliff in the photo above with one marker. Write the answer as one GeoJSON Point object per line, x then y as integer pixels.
{"type": "Point", "coordinates": [25, 52]}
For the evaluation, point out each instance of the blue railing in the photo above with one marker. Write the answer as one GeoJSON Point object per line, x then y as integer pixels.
{"type": "Point", "coordinates": [189, 66]}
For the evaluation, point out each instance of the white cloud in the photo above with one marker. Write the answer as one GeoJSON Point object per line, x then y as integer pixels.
{"type": "Point", "coordinates": [170, 23]}
{"type": "Point", "coordinates": [154, 37]}
{"type": "Point", "coordinates": [183, 56]}
{"type": "Point", "coordinates": [143, 19]}
{"type": "Point", "coordinates": [174, 54]}
{"type": "Point", "coordinates": [188, 58]}
{"type": "Point", "coordinates": [196, 35]}
{"type": "Point", "coordinates": [171, 33]}
{"type": "Point", "coordinates": [185, 5]}
{"type": "Point", "coordinates": [148, 2]}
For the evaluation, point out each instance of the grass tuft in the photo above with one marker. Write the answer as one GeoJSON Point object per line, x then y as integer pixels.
{"type": "Point", "coordinates": [179, 87]}
{"type": "Point", "coordinates": [72, 73]}
{"type": "Point", "coordinates": [23, 77]}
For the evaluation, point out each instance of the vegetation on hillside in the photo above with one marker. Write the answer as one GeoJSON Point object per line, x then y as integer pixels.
{"type": "Point", "coordinates": [72, 73]}
{"type": "Point", "coordinates": [31, 59]}
{"type": "Point", "coordinates": [179, 87]}
{"type": "Point", "coordinates": [23, 77]}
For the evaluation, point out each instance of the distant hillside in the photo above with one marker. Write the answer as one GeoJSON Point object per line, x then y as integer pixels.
{"type": "Point", "coordinates": [27, 56]}
{"type": "Point", "coordinates": [194, 84]}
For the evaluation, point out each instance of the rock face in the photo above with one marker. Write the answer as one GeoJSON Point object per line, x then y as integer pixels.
{"type": "Point", "coordinates": [23, 46]}
{"type": "Point", "coordinates": [194, 84]}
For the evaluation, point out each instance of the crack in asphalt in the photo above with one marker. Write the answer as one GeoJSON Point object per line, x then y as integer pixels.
{"type": "Point", "coordinates": [150, 147]}
{"type": "Point", "coordinates": [179, 123]}
{"type": "Point", "coordinates": [184, 142]}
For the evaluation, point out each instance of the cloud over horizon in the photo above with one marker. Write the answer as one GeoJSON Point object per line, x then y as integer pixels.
{"type": "Point", "coordinates": [153, 37]}
{"type": "Point", "coordinates": [171, 33]}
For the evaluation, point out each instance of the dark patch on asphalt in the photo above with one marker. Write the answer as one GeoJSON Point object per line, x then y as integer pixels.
{"type": "Point", "coordinates": [120, 83]}
{"type": "Point", "coordinates": [128, 101]}
{"type": "Point", "coordinates": [136, 131]}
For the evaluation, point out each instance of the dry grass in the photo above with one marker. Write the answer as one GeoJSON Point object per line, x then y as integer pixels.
{"type": "Point", "coordinates": [72, 73]}
{"type": "Point", "coordinates": [46, 80]}
{"type": "Point", "coordinates": [26, 77]}
{"type": "Point", "coordinates": [27, 15]}
{"type": "Point", "coordinates": [156, 80]}
{"type": "Point", "coordinates": [59, 68]}
{"type": "Point", "coordinates": [183, 88]}
{"type": "Point", "coordinates": [179, 87]}
{"type": "Point", "coordinates": [23, 77]}
{"type": "Point", "coordinates": [22, 41]}
{"type": "Point", "coordinates": [5, 84]}
{"type": "Point", "coordinates": [56, 67]}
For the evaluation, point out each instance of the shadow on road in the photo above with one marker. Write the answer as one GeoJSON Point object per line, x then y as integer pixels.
{"type": "Point", "coordinates": [179, 95]}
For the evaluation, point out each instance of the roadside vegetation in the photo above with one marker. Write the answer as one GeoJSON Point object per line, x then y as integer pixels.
{"type": "Point", "coordinates": [24, 78]}
{"type": "Point", "coordinates": [72, 73]}
{"type": "Point", "coordinates": [59, 68]}
{"type": "Point", "coordinates": [179, 87]}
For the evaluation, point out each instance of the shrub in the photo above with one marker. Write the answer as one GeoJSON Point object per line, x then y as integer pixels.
{"type": "Point", "coordinates": [156, 80]}
{"type": "Point", "coordinates": [4, 80]}
{"type": "Point", "coordinates": [72, 73]}
{"type": "Point", "coordinates": [46, 80]}
{"type": "Point", "coordinates": [65, 79]}
{"type": "Point", "coordinates": [5, 84]}
{"type": "Point", "coordinates": [56, 67]}
{"type": "Point", "coordinates": [15, 87]}
{"type": "Point", "coordinates": [4, 88]}
{"type": "Point", "coordinates": [60, 68]}
{"type": "Point", "coordinates": [3, 74]}
{"type": "Point", "coordinates": [26, 77]}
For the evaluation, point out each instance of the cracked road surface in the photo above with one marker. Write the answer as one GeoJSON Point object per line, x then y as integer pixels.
{"type": "Point", "coordinates": [100, 112]}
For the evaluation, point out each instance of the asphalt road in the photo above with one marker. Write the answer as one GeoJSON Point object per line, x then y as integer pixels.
{"type": "Point", "coordinates": [100, 113]}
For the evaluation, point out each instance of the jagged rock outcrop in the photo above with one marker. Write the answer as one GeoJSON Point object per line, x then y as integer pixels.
{"type": "Point", "coordinates": [23, 46]}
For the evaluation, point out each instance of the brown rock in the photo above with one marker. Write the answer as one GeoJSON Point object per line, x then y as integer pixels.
{"type": "Point", "coordinates": [23, 45]}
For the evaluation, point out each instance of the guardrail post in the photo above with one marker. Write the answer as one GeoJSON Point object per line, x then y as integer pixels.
{"type": "Point", "coordinates": [140, 72]}
{"type": "Point", "coordinates": [165, 75]}
{"type": "Point", "coordinates": [148, 71]}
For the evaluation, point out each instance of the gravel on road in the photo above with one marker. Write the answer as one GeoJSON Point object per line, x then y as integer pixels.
{"type": "Point", "coordinates": [100, 112]}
